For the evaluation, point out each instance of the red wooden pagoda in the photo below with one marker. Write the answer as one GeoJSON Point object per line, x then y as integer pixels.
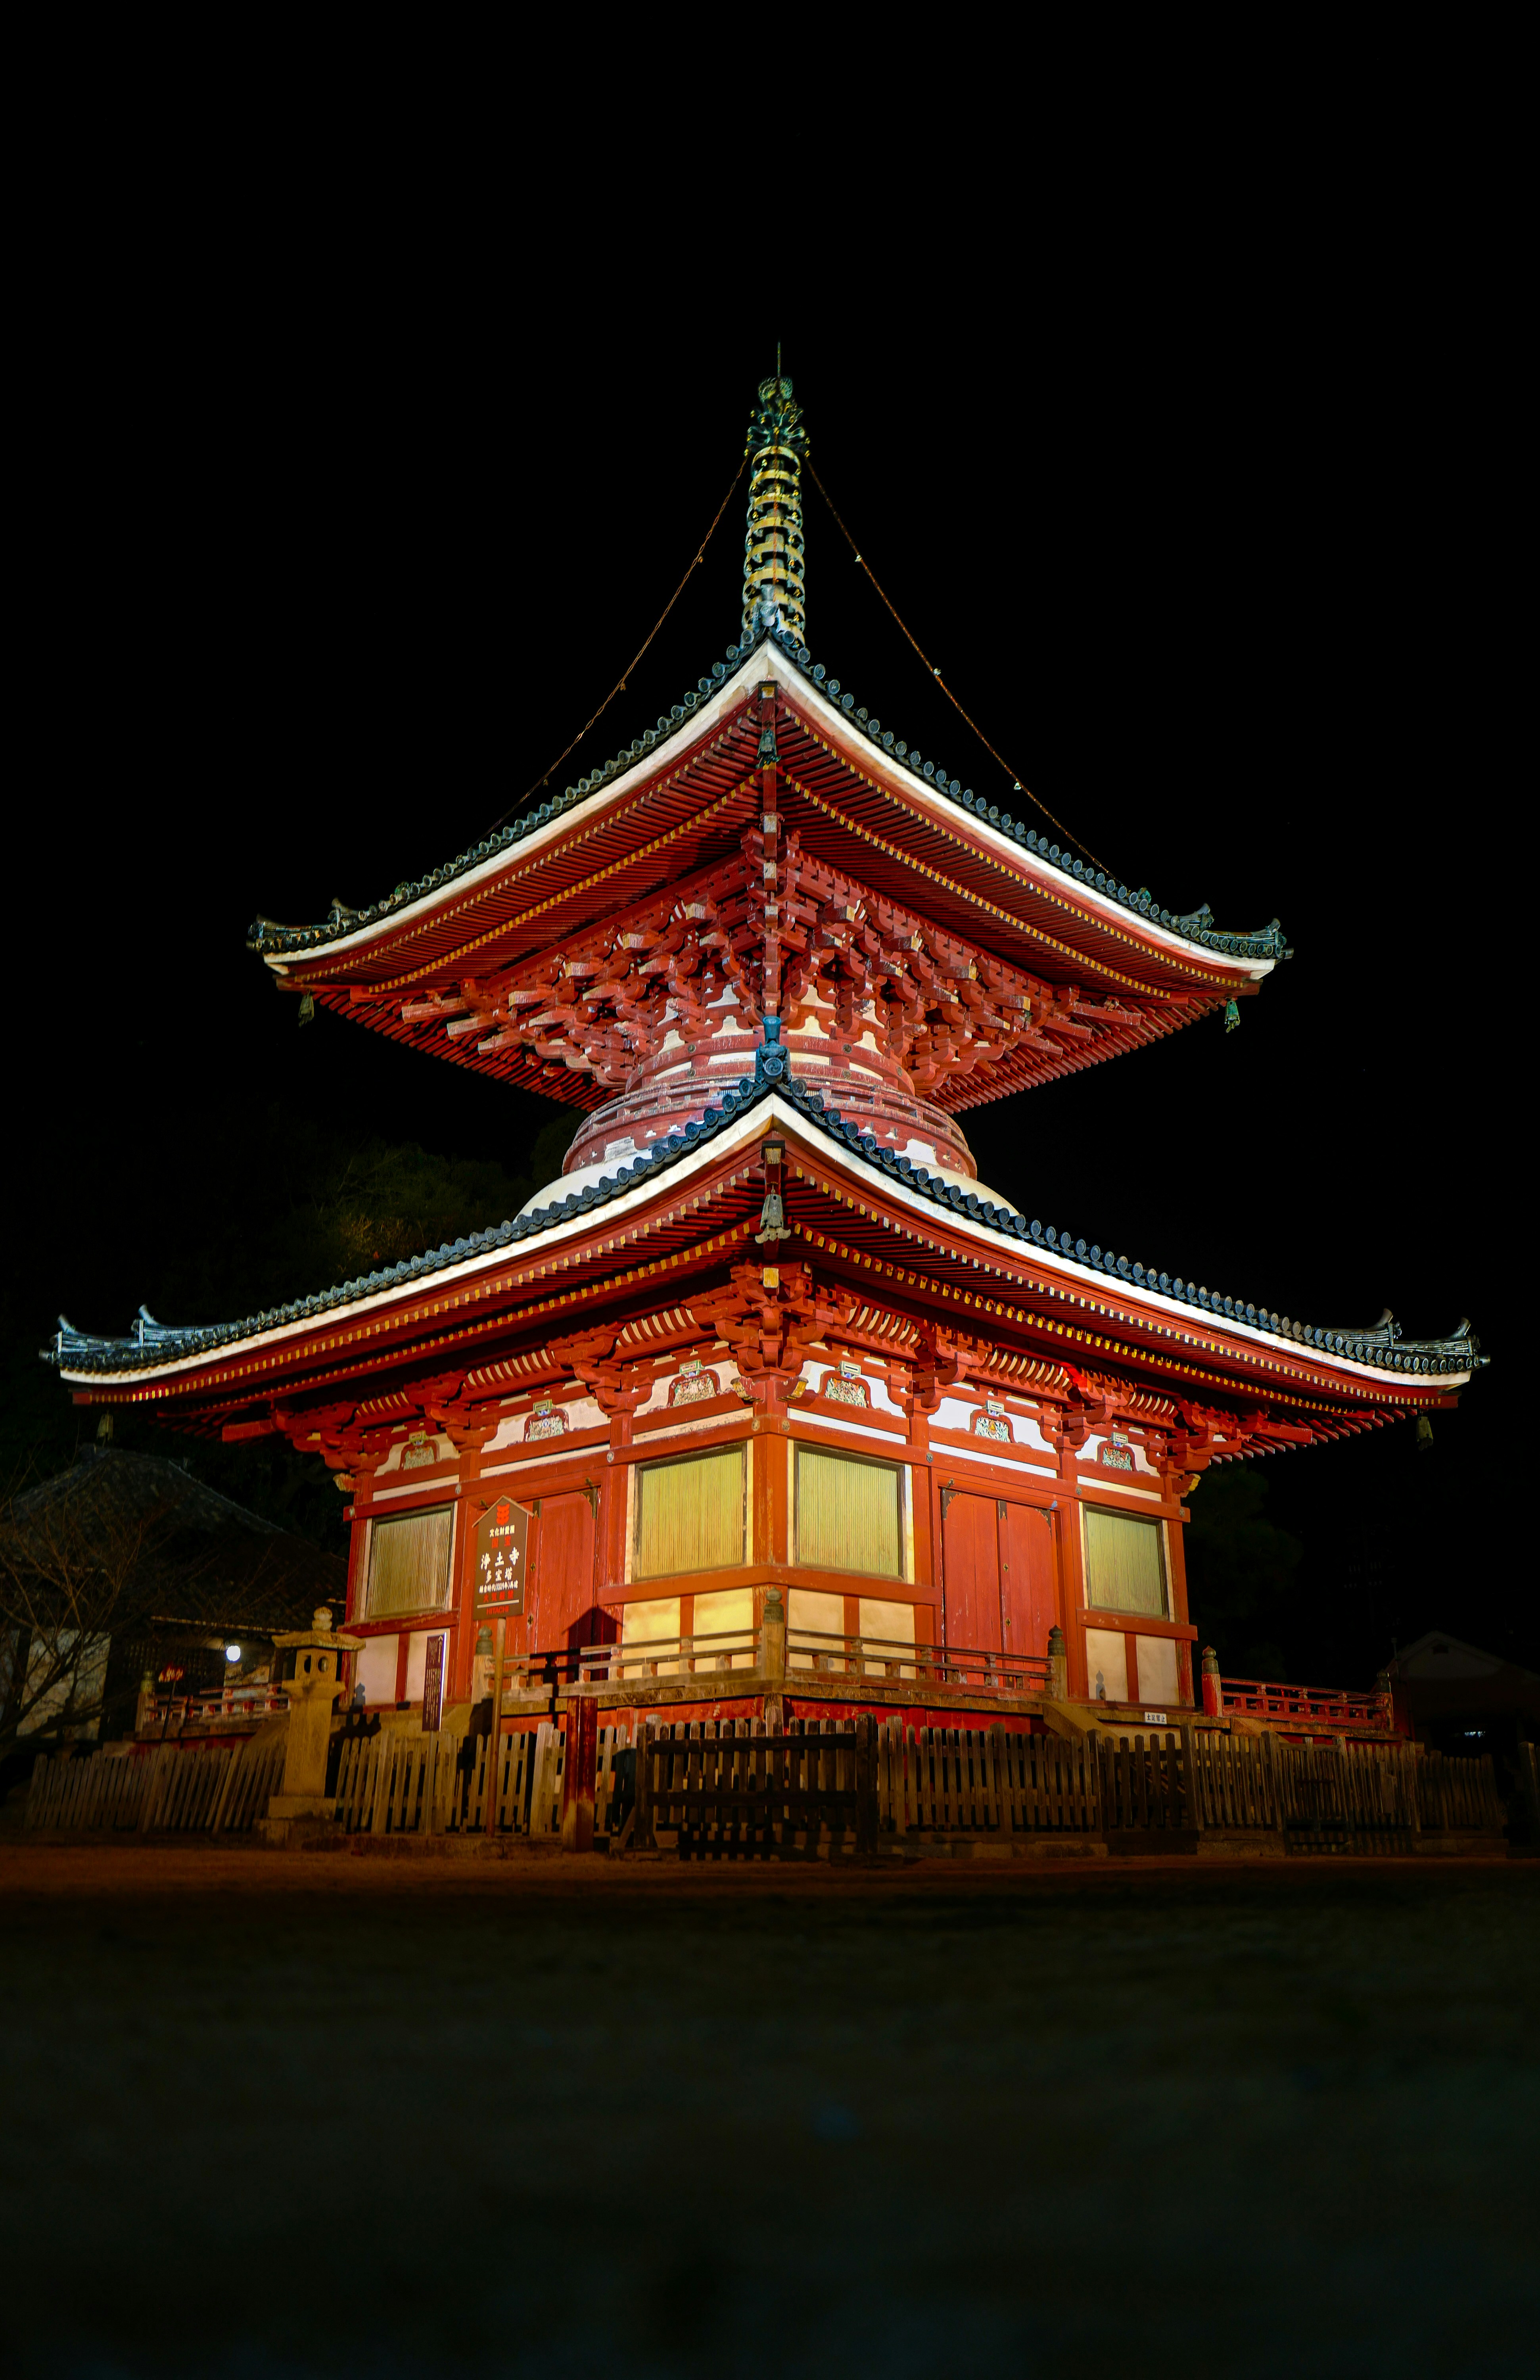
{"type": "Point", "coordinates": [769, 1353]}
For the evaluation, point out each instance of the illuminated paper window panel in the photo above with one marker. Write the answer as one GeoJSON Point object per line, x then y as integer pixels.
{"type": "Point", "coordinates": [408, 1563]}
{"type": "Point", "coordinates": [1125, 1565]}
{"type": "Point", "coordinates": [690, 1514]}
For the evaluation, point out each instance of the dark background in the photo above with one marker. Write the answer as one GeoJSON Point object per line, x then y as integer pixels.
{"type": "Point", "coordinates": [344, 531]}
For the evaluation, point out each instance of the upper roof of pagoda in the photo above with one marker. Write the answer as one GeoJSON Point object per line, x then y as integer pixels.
{"type": "Point", "coordinates": [868, 811]}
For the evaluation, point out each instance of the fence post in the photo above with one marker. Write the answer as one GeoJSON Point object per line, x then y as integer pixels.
{"type": "Point", "coordinates": [578, 1780]}
{"type": "Point", "coordinates": [1058, 1680]}
{"type": "Point", "coordinates": [1273, 1795]}
{"type": "Point", "coordinates": [1191, 1792]}
{"type": "Point", "coordinates": [1529, 1787]}
{"type": "Point", "coordinates": [1213, 1690]}
{"type": "Point", "coordinates": [641, 1834]}
{"type": "Point", "coordinates": [149, 1808]}
{"type": "Point", "coordinates": [866, 1786]}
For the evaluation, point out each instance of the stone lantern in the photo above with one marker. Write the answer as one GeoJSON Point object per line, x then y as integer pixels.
{"type": "Point", "coordinates": [312, 1690]}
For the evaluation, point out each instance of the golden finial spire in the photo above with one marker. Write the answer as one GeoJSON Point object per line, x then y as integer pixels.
{"type": "Point", "coordinates": [774, 593]}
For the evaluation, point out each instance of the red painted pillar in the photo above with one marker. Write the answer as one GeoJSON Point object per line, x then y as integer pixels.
{"type": "Point", "coordinates": [1213, 1691]}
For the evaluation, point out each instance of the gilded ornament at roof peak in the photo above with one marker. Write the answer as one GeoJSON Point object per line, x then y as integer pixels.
{"type": "Point", "coordinates": [775, 594]}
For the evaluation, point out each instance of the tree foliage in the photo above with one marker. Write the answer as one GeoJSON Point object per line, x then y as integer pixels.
{"type": "Point", "coordinates": [269, 1207]}
{"type": "Point", "coordinates": [1241, 1575]}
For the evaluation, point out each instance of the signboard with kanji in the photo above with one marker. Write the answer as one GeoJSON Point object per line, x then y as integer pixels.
{"type": "Point", "coordinates": [501, 1542]}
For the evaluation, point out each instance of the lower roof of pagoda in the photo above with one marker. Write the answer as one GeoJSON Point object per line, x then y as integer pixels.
{"type": "Point", "coordinates": [910, 1247]}
{"type": "Point", "coordinates": [877, 826]}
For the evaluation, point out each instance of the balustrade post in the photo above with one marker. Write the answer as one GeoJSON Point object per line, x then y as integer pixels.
{"type": "Point", "coordinates": [1213, 1688]}
{"type": "Point", "coordinates": [1058, 1680]}
{"type": "Point", "coordinates": [1384, 1696]}
{"type": "Point", "coordinates": [772, 1655]}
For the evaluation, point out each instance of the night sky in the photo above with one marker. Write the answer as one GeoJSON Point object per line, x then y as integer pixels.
{"type": "Point", "coordinates": [339, 564]}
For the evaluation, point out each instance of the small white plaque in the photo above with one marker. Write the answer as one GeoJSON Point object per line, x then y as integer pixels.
{"type": "Point", "coordinates": [1156, 1719]}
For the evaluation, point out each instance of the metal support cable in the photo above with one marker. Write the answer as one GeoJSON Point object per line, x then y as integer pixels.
{"type": "Point", "coordinates": [619, 687]}
{"type": "Point", "coordinates": [1016, 783]}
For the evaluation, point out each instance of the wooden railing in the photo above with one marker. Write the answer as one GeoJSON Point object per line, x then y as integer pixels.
{"type": "Point", "coordinates": [1326, 1707]}
{"type": "Point", "coordinates": [807, 1651]}
{"type": "Point", "coordinates": [658, 1656]}
{"type": "Point", "coordinates": [928, 1665]}
{"type": "Point", "coordinates": [245, 1706]}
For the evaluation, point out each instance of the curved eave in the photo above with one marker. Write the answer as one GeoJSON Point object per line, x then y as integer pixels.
{"type": "Point", "coordinates": [492, 901]}
{"type": "Point", "coordinates": [858, 1219]}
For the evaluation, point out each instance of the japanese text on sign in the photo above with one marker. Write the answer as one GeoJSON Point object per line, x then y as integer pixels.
{"type": "Point", "coordinates": [501, 1537]}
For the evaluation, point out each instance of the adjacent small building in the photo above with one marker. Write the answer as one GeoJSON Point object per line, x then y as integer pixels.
{"type": "Point", "coordinates": [155, 1600]}
{"type": "Point", "coordinates": [1463, 1700]}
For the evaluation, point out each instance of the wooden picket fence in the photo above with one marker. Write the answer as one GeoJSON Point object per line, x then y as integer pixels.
{"type": "Point", "coordinates": [735, 1788]}
{"type": "Point", "coordinates": [397, 1783]}
{"type": "Point", "coordinates": [1235, 1782]}
{"type": "Point", "coordinates": [1341, 1796]}
{"type": "Point", "coordinates": [215, 1788]}
{"type": "Point", "coordinates": [1456, 1793]}
{"type": "Point", "coordinates": [951, 1780]}
{"type": "Point", "coordinates": [732, 1788]}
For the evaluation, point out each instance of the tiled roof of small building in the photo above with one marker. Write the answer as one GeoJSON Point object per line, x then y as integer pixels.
{"type": "Point", "coordinates": [277, 941]}
{"type": "Point", "coordinates": [1381, 1345]}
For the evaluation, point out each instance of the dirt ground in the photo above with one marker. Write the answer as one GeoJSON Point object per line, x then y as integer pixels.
{"type": "Point", "coordinates": [286, 2114]}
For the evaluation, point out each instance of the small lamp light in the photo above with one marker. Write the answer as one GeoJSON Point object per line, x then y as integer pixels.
{"type": "Point", "coordinates": [232, 1652]}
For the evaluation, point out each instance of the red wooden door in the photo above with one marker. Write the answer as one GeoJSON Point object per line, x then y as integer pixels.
{"type": "Point", "coordinates": [562, 1587]}
{"type": "Point", "coordinates": [1029, 1576]}
{"type": "Point", "coordinates": [971, 1582]}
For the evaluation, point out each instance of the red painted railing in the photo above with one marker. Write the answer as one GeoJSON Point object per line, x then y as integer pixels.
{"type": "Point", "coordinates": [243, 1705]}
{"type": "Point", "coordinates": [1315, 1707]}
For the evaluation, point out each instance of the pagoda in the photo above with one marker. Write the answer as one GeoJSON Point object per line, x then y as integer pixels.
{"type": "Point", "coordinates": [769, 1361]}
